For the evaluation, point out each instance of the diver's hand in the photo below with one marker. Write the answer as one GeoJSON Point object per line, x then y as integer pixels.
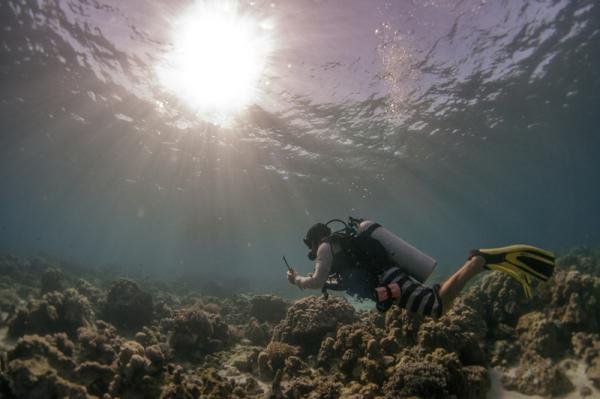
{"type": "Point", "coordinates": [291, 275]}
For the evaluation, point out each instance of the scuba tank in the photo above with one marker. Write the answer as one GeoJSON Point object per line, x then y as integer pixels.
{"type": "Point", "coordinates": [408, 258]}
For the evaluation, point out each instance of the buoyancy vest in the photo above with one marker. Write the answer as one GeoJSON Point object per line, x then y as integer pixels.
{"type": "Point", "coordinates": [358, 263]}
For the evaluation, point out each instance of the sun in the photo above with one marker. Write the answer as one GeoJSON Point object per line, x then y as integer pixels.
{"type": "Point", "coordinates": [218, 58]}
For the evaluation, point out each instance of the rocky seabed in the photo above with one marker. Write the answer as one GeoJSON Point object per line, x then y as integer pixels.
{"type": "Point", "coordinates": [70, 333]}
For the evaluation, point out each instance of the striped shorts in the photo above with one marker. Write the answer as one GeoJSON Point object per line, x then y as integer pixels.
{"type": "Point", "coordinates": [399, 288]}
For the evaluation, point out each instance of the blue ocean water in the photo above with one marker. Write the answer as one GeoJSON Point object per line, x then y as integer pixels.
{"type": "Point", "coordinates": [457, 124]}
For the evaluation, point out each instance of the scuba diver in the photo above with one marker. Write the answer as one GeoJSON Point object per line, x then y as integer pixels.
{"type": "Point", "coordinates": [370, 262]}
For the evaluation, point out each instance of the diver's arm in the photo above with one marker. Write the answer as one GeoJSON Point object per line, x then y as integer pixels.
{"type": "Point", "coordinates": [322, 269]}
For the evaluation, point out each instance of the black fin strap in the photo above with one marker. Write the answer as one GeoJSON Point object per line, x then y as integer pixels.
{"type": "Point", "coordinates": [489, 258]}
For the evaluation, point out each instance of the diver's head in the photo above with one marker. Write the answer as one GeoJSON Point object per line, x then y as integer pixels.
{"type": "Point", "coordinates": [314, 236]}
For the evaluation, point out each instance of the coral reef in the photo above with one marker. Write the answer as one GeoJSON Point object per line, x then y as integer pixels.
{"type": "Point", "coordinates": [574, 301]}
{"type": "Point", "coordinates": [139, 371]}
{"type": "Point", "coordinates": [268, 308]}
{"type": "Point", "coordinates": [275, 356]}
{"type": "Point", "coordinates": [461, 330]}
{"type": "Point", "coordinates": [38, 369]}
{"type": "Point", "coordinates": [9, 300]}
{"type": "Point", "coordinates": [52, 280]}
{"type": "Point", "coordinates": [54, 312]}
{"type": "Point", "coordinates": [195, 332]}
{"type": "Point", "coordinates": [99, 344]}
{"type": "Point", "coordinates": [170, 344]}
{"type": "Point", "coordinates": [541, 335]}
{"type": "Point", "coordinates": [584, 260]}
{"type": "Point", "coordinates": [538, 376]}
{"type": "Point", "coordinates": [439, 374]}
{"type": "Point", "coordinates": [127, 306]}
{"type": "Point", "coordinates": [308, 321]}
{"type": "Point", "coordinates": [256, 332]}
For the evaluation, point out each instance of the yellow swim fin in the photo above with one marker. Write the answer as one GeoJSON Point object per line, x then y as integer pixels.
{"type": "Point", "coordinates": [521, 262]}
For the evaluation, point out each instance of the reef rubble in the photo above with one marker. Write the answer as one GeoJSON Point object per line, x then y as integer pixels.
{"type": "Point", "coordinates": [71, 335]}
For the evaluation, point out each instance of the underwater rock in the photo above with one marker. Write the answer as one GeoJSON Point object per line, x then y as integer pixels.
{"type": "Point", "coordinates": [275, 391]}
{"type": "Point", "coordinates": [274, 358]}
{"type": "Point", "coordinates": [278, 353]}
{"type": "Point", "coordinates": [362, 354]}
{"type": "Point", "coordinates": [310, 319]}
{"type": "Point", "coordinates": [34, 346]}
{"type": "Point", "coordinates": [436, 375]}
{"type": "Point", "coordinates": [203, 383]}
{"type": "Point", "coordinates": [402, 327]}
{"type": "Point", "coordinates": [585, 391]}
{"type": "Point", "coordinates": [269, 308]}
{"type": "Point", "coordinates": [348, 361]}
{"type": "Point", "coordinates": [312, 388]}
{"type": "Point", "coordinates": [34, 378]}
{"type": "Point", "coordinates": [211, 308]}
{"type": "Point", "coordinates": [94, 294]}
{"type": "Point", "coordinates": [538, 376]}
{"type": "Point", "coordinates": [582, 343]}
{"type": "Point", "coordinates": [139, 372]}
{"type": "Point", "coordinates": [257, 333]}
{"type": "Point", "coordinates": [476, 382]}
{"type": "Point", "coordinates": [95, 377]}
{"type": "Point", "coordinates": [587, 348]}
{"type": "Point", "coordinates": [373, 349]}
{"type": "Point", "coordinates": [498, 299]}
{"type": "Point", "coordinates": [21, 275]}
{"type": "Point", "coordinates": [245, 358]}
{"type": "Point", "coordinates": [351, 336]}
{"type": "Point", "coordinates": [583, 260]}
{"type": "Point", "coordinates": [155, 354]}
{"type": "Point", "coordinates": [262, 364]}
{"type": "Point", "coordinates": [504, 353]}
{"type": "Point", "coordinates": [542, 336]}
{"type": "Point", "coordinates": [127, 306]}
{"type": "Point", "coordinates": [575, 301]}
{"type": "Point", "coordinates": [469, 382]}
{"type": "Point", "coordinates": [194, 333]}
{"type": "Point", "coordinates": [62, 342]}
{"type": "Point", "coordinates": [421, 379]}
{"type": "Point", "coordinates": [164, 303]}
{"type": "Point", "coordinates": [52, 280]}
{"type": "Point", "coordinates": [593, 371]}
{"type": "Point", "coordinates": [356, 352]}
{"type": "Point", "coordinates": [9, 265]}
{"type": "Point", "coordinates": [38, 369]}
{"type": "Point", "coordinates": [149, 336]}
{"type": "Point", "coordinates": [9, 300]}
{"type": "Point", "coordinates": [5, 391]}
{"type": "Point", "coordinates": [294, 366]}
{"type": "Point", "coordinates": [371, 371]}
{"type": "Point", "coordinates": [128, 350]}
{"type": "Point", "coordinates": [54, 312]}
{"type": "Point", "coordinates": [99, 344]}
{"type": "Point", "coordinates": [461, 330]}
{"type": "Point", "coordinates": [357, 390]}
{"type": "Point", "coordinates": [389, 344]}
{"type": "Point", "coordinates": [326, 353]}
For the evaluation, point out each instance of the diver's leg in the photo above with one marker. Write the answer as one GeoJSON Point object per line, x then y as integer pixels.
{"type": "Point", "coordinates": [399, 288]}
{"type": "Point", "coordinates": [454, 285]}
